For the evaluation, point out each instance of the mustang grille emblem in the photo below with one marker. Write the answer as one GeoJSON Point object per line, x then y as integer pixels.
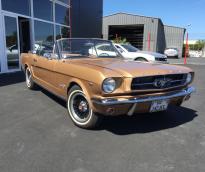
{"type": "Point", "coordinates": [162, 83]}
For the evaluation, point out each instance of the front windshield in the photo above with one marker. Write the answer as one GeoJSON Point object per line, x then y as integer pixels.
{"type": "Point", "coordinates": [85, 48]}
{"type": "Point", "coordinates": [130, 48]}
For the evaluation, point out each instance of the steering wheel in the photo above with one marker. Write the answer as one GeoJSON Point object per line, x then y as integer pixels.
{"type": "Point", "coordinates": [104, 55]}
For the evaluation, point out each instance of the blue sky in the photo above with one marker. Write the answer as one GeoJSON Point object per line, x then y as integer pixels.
{"type": "Point", "coordinates": [173, 12]}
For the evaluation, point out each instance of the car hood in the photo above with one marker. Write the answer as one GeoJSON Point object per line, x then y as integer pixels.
{"type": "Point", "coordinates": [152, 53]}
{"type": "Point", "coordinates": [132, 68]}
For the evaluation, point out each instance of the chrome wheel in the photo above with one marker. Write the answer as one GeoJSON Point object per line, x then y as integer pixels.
{"type": "Point", "coordinates": [28, 78]}
{"type": "Point", "coordinates": [79, 108]}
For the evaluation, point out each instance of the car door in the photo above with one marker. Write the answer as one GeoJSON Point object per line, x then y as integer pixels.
{"type": "Point", "coordinates": [43, 66]}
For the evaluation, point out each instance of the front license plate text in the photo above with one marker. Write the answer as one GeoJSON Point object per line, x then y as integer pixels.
{"type": "Point", "coordinates": [160, 105]}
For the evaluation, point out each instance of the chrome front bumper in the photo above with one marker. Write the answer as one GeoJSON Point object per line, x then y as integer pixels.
{"type": "Point", "coordinates": [112, 101]}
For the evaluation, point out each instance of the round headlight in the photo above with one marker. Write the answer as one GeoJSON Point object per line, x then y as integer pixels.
{"type": "Point", "coordinates": [188, 78]}
{"type": "Point", "coordinates": [109, 85]}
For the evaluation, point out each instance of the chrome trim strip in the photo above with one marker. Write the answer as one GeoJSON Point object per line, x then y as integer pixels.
{"type": "Point", "coordinates": [110, 101]}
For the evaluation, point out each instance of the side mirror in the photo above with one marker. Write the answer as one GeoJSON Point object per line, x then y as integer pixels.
{"type": "Point", "coordinates": [50, 56]}
{"type": "Point", "coordinates": [47, 55]}
{"type": "Point", "coordinates": [32, 51]}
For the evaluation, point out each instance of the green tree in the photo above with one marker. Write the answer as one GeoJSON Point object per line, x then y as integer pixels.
{"type": "Point", "coordinates": [200, 44]}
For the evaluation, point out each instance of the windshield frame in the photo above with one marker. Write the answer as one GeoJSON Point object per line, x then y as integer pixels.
{"type": "Point", "coordinates": [92, 41]}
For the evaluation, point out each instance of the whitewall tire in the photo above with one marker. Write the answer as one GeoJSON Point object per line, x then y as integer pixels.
{"type": "Point", "coordinates": [79, 109]}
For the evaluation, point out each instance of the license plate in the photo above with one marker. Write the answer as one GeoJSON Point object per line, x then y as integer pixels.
{"type": "Point", "coordinates": [160, 105]}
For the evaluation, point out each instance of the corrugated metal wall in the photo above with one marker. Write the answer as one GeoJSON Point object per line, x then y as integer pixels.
{"type": "Point", "coordinates": [161, 36]}
{"type": "Point", "coordinates": [86, 16]}
{"type": "Point", "coordinates": [174, 37]}
{"type": "Point", "coordinates": [150, 25]}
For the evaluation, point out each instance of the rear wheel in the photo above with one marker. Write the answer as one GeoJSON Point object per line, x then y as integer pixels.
{"type": "Point", "coordinates": [79, 109]}
{"type": "Point", "coordinates": [141, 59]}
{"type": "Point", "coordinates": [29, 81]}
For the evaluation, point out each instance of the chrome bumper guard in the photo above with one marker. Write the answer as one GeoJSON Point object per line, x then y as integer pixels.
{"type": "Point", "coordinates": [111, 101]}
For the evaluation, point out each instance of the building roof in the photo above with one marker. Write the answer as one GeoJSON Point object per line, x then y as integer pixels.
{"type": "Point", "coordinates": [175, 27]}
{"type": "Point", "coordinates": [136, 15]}
{"type": "Point", "coordinates": [118, 13]}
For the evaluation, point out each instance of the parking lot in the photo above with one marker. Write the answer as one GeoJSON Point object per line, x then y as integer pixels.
{"type": "Point", "coordinates": [36, 134]}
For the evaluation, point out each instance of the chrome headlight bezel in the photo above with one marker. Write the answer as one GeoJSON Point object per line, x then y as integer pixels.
{"type": "Point", "coordinates": [189, 78]}
{"type": "Point", "coordinates": [109, 85]}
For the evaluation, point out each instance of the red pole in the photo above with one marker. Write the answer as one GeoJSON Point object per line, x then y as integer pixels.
{"type": "Point", "coordinates": [187, 48]}
{"type": "Point", "coordinates": [149, 39]}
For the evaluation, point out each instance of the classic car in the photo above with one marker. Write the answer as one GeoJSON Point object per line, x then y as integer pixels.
{"type": "Point", "coordinates": [95, 84]}
{"type": "Point", "coordinates": [132, 53]}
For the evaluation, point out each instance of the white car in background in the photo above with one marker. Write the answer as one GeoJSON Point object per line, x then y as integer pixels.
{"type": "Point", "coordinates": [172, 52]}
{"type": "Point", "coordinates": [131, 53]}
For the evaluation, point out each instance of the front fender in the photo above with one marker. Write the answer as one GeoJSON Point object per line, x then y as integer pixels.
{"type": "Point", "coordinates": [89, 88]}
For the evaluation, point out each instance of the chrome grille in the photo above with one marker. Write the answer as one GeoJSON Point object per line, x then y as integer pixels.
{"type": "Point", "coordinates": [158, 82]}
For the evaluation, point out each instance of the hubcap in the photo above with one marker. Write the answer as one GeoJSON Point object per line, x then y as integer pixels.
{"type": "Point", "coordinates": [83, 107]}
{"type": "Point", "coordinates": [79, 107]}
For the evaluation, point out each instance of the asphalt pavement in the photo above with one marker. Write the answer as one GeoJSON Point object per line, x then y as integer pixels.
{"type": "Point", "coordinates": [37, 135]}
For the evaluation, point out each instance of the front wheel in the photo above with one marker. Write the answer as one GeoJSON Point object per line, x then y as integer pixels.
{"type": "Point", "coordinates": [80, 111]}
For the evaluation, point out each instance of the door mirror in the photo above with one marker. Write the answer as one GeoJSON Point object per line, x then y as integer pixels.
{"type": "Point", "coordinates": [32, 51]}
{"type": "Point", "coordinates": [50, 56]}
{"type": "Point", "coordinates": [47, 55]}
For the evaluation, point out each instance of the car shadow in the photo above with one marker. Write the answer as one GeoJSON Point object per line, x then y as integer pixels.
{"type": "Point", "coordinates": [11, 78]}
{"type": "Point", "coordinates": [52, 96]}
{"type": "Point", "coordinates": [147, 123]}
{"type": "Point", "coordinates": [140, 123]}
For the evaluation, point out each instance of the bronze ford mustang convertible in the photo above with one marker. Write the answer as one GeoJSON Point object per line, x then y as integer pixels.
{"type": "Point", "coordinates": [93, 78]}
